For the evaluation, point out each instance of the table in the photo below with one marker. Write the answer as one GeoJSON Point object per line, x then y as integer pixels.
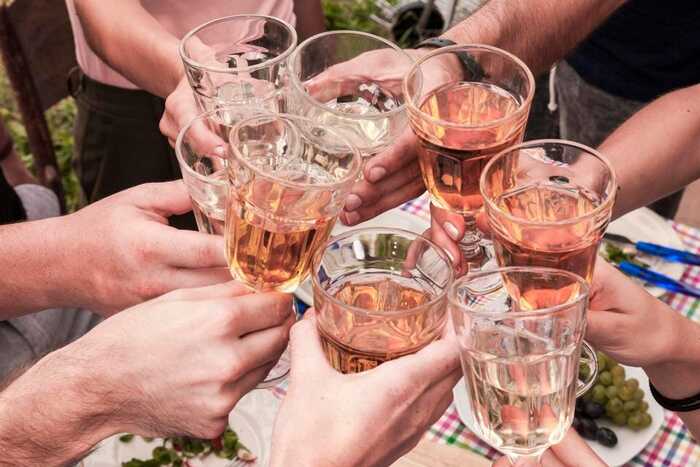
{"type": "Point", "coordinates": [672, 446]}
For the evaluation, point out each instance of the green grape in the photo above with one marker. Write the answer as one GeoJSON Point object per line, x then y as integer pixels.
{"type": "Point", "coordinates": [588, 396]}
{"type": "Point", "coordinates": [584, 372]}
{"type": "Point", "coordinates": [598, 394]}
{"type": "Point", "coordinates": [625, 393]}
{"type": "Point", "coordinates": [617, 370]}
{"type": "Point", "coordinates": [643, 407]}
{"type": "Point", "coordinates": [632, 383]}
{"type": "Point", "coordinates": [610, 362]}
{"type": "Point", "coordinates": [611, 392]}
{"type": "Point", "coordinates": [614, 406]}
{"type": "Point", "coordinates": [605, 378]}
{"type": "Point", "coordinates": [618, 380]}
{"type": "Point", "coordinates": [602, 360]}
{"type": "Point", "coordinates": [638, 394]}
{"type": "Point", "coordinates": [635, 421]}
{"type": "Point", "coordinates": [619, 419]}
{"type": "Point", "coordinates": [645, 420]}
{"type": "Point", "coordinates": [631, 406]}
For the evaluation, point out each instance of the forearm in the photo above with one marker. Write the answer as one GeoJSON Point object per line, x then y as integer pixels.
{"type": "Point", "coordinates": [132, 42]}
{"type": "Point", "coordinates": [677, 377]}
{"type": "Point", "coordinates": [35, 260]}
{"type": "Point", "coordinates": [657, 151]}
{"type": "Point", "coordinates": [310, 18]}
{"type": "Point", "coordinates": [52, 415]}
{"type": "Point", "coordinates": [540, 32]}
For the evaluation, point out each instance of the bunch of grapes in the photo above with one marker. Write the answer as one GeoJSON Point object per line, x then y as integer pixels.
{"type": "Point", "coordinates": [612, 396]}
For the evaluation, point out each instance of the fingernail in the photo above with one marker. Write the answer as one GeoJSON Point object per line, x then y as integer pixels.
{"type": "Point", "coordinates": [220, 151]}
{"type": "Point", "coordinates": [376, 174]}
{"type": "Point", "coordinates": [451, 230]}
{"type": "Point", "coordinates": [352, 202]}
{"type": "Point", "coordinates": [452, 258]}
{"type": "Point", "coordinates": [351, 218]}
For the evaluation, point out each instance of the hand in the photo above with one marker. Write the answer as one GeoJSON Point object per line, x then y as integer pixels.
{"type": "Point", "coordinates": [626, 322]}
{"type": "Point", "coordinates": [572, 451]}
{"type": "Point", "coordinates": [178, 364]}
{"type": "Point", "coordinates": [364, 419]}
{"type": "Point", "coordinates": [180, 109]}
{"type": "Point", "coordinates": [121, 251]}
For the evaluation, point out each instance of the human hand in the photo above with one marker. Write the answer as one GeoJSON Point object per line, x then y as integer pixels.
{"type": "Point", "coordinates": [572, 451]}
{"type": "Point", "coordinates": [179, 363]}
{"type": "Point", "coordinates": [180, 109]}
{"type": "Point", "coordinates": [121, 251]}
{"type": "Point", "coordinates": [364, 419]}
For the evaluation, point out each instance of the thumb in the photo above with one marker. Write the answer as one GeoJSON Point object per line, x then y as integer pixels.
{"type": "Point", "coordinates": [305, 347]}
{"type": "Point", "coordinates": [164, 199]}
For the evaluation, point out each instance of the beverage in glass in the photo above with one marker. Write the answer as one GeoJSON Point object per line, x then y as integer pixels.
{"type": "Point", "coordinates": [351, 81]}
{"type": "Point", "coordinates": [548, 203]}
{"type": "Point", "coordinates": [379, 294]}
{"type": "Point", "coordinates": [520, 332]}
{"type": "Point", "coordinates": [465, 104]}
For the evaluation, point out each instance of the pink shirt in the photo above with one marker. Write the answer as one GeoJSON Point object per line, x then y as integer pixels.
{"type": "Point", "coordinates": [178, 17]}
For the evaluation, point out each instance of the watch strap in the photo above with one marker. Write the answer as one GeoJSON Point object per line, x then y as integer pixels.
{"type": "Point", "coordinates": [687, 404]}
{"type": "Point", "coordinates": [471, 67]}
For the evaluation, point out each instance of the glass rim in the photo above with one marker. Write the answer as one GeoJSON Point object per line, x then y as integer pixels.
{"type": "Point", "coordinates": [351, 176]}
{"type": "Point", "coordinates": [316, 263]}
{"type": "Point", "coordinates": [297, 84]}
{"type": "Point", "coordinates": [584, 293]}
{"type": "Point", "coordinates": [280, 58]}
{"type": "Point", "coordinates": [606, 204]}
{"type": "Point", "coordinates": [522, 108]}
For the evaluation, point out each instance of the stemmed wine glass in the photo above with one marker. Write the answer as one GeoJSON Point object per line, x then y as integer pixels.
{"type": "Point", "coordinates": [465, 104]}
{"type": "Point", "coordinates": [289, 177]}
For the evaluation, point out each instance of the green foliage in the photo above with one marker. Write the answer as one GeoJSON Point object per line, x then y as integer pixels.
{"type": "Point", "coordinates": [352, 14]}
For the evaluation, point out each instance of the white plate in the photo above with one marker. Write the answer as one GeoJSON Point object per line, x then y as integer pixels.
{"type": "Point", "coordinates": [647, 226]}
{"type": "Point", "coordinates": [112, 452]}
{"type": "Point", "coordinates": [629, 442]}
{"type": "Point", "coordinates": [395, 218]}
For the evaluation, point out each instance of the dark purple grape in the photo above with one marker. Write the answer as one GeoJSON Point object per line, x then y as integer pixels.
{"type": "Point", "coordinates": [589, 428]}
{"type": "Point", "coordinates": [606, 437]}
{"type": "Point", "coordinates": [580, 405]}
{"type": "Point", "coordinates": [576, 424]}
{"type": "Point", "coordinates": [593, 409]}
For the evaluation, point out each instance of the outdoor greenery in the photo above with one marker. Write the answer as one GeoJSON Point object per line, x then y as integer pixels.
{"type": "Point", "coordinates": [340, 14]}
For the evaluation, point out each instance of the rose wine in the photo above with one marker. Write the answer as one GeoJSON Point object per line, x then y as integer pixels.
{"type": "Point", "coordinates": [522, 404]}
{"type": "Point", "coordinates": [359, 342]}
{"type": "Point", "coordinates": [571, 246]}
{"type": "Point", "coordinates": [452, 158]}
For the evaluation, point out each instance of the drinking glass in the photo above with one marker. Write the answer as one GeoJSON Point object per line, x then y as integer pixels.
{"type": "Point", "coordinates": [466, 103]}
{"type": "Point", "coordinates": [548, 203]}
{"type": "Point", "coordinates": [351, 81]}
{"type": "Point", "coordinates": [521, 340]}
{"type": "Point", "coordinates": [237, 59]}
{"type": "Point", "coordinates": [202, 148]}
{"type": "Point", "coordinates": [379, 293]}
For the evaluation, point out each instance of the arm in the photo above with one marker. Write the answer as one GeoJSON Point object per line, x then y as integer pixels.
{"type": "Point", "coordinates": [540, 32]}
{"type": "Point", "coordinates": [657, 151]}
{"type": "Point", "coordinates": [132, 42]}
{"type": "Point", "coordinates": [310, 18]}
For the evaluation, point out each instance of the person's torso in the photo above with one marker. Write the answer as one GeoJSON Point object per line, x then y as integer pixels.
{"type": "Point", "coordinates": [645, 49]}
{"type": "Point", "coordinates": [178, 17]}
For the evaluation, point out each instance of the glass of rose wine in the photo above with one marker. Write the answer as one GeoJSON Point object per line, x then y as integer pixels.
{"type": "Point", "coordinates": [351, 81]}
{"type": "Point", "coordinates": [289, 177]}
{"type": "Point", "coordinates": [466, 103]}
{"type": "Point", "coordinates": [520, 332]}
{"type": "Point", "coordinates": [548, 203]}
{"type": "Point", "coordinates": [379, 293]}
{"type": "Point", "coordinates": [237, 59]}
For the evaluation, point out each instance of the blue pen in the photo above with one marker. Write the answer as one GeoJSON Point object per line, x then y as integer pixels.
{"type": "Point", "coordinates": [659, 280]}
{"type": "Point", "coordinates": [669, 254]}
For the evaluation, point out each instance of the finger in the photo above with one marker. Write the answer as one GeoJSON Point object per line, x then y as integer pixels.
{"type": "Point", "coordinates": [548, 459]}
{"type": "Point", "coordinates": [201, 137]}
{"type": "Point", "coordinates": [223, 288]}
{"type": "Point", "coordinates": [390, 201]}
{"type": "Point", "coordinates": [573, 451]}
{"type": "Point", "coordinates": [392, 160]}
{"type": "Point", "coordinates": [262, 347]}
{"type": "Point", "coordinates": [189, 249]}
{"type": "Point", "coordinates": [259, 311]}
{"type": "Point", "coordinates": [164, 199]}
{"type": "Point", "coordinates": [436, 361]}
{"type": "Point", "coordinates": [198, 278]}
{"type": "Point", "coordinates": [442, 239]}
{"type": "Point", "coordinates": [369, 193]}
{"type": "Point", "coordinates": [306, 352]}
{"type": "Point", "coordinates": [250, 380]}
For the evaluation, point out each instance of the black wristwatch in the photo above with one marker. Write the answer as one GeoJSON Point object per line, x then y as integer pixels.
{"type": "Point", "coordinates": [688, 404]}
{"type": "Point", "coordinates": [472, 69]}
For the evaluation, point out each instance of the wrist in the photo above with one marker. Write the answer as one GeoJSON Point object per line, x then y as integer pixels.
{"type": "Point", "coordinates": [55, 413]}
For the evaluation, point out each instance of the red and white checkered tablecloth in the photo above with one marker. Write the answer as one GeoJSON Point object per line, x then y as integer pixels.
{"type": "Point", "coordinates": [672, 446]}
